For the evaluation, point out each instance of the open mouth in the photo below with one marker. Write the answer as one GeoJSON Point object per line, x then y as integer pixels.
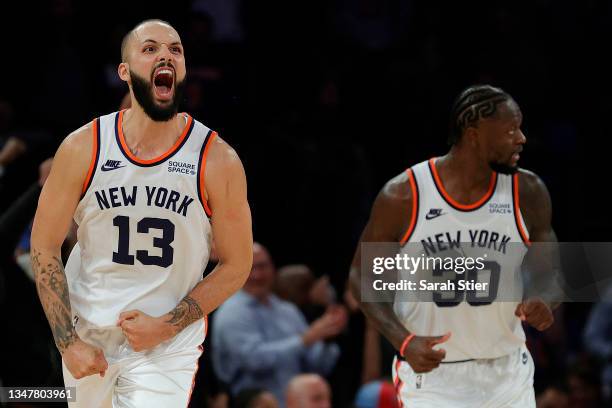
{"type": "Point", "coordinates": [163, 83]}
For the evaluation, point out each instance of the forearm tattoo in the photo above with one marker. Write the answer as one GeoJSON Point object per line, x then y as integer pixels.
{"type": "Point", "coordinates": [185, 313]}
{"type": "Point", "coordinates": [52, 289]}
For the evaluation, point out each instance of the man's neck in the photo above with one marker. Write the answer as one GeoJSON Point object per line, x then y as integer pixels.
{"type": "Point", "coordinates": [462, 169]}
{"type": "Point", "coordinates": [142, 134]}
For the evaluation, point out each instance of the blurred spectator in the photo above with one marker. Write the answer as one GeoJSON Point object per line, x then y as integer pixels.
{"type": "Point", "coordinates": [297, 284]}
{"type": "Point", "coordinates": [584, 383]}
{"type": "Point", "coordinates": [254, 398]}
{"type": "Point", "coordinates": [308, 391]}
{"type": "Point", "coordinates": [376, 394]}
{"type": "Point", "coordinates": [553, 397]}
{"type": "Point", "coordinates": [262, 341]}
{"type": "Point", "coordinates": [598, 338]}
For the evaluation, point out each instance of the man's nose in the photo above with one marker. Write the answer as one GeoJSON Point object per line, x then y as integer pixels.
{"type": "Point", "coordinates": [522, 138]}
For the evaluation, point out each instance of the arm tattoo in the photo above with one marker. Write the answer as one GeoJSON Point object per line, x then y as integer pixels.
{"type": "Point", "coordinates": [52, 289]}
{"type": "Point", "coordinates": [185, 313]}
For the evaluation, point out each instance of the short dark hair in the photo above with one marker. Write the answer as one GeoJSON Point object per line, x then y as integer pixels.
{"type": "Point", "coordinates": [128, 35]}
{"type": "Point", "coordinates": [474, 103]}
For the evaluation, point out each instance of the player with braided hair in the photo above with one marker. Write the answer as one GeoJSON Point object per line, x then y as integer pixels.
{"type": "Point", "coordinates": [467, 350]}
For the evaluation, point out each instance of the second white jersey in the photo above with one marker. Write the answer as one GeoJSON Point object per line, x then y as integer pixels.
{"type": "Point", "coordinates": [144, 234]}
{"type": "Point", "coordinates": [481, 325]}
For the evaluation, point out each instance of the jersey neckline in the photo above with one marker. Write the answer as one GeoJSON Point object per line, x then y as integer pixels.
{"type": "Point", "coordinates": [159, 159]}
{"type": "Point", "coordinates": [456, 205]}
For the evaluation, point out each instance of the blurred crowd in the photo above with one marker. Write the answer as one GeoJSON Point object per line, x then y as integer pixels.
{"type": "Point", "coordinates": [324, 101]}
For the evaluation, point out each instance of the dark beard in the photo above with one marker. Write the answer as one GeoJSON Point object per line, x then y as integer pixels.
{"type": "Point", "coordinates": [503, 168]}
{"type": "Point", "coordinates": [143, 92]}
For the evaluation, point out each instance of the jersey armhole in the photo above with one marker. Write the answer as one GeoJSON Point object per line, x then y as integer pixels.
{"type": "Point", "coordinates": [201, 170]}
{"type": "Point", "coordinates": [95, 155]}
{"type": "Point", "coordinates": [415, 207]}
{"type": "Point", "coordinates": [518, 216]}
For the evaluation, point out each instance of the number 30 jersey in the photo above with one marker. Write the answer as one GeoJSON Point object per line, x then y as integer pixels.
{"type": "Point", "coordinates": [144, 233]}
{"type": "Point", "coordinates": [482, 322]}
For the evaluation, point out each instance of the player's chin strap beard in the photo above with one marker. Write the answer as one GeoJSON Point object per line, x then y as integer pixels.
{"type": "Point", "coordinates": [142, 90]}
{"type": "Point", "coordinates": [503, 168]}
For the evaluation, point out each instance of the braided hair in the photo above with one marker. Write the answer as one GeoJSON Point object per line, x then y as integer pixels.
{"type": "Point", "coordinates": [474, 103]}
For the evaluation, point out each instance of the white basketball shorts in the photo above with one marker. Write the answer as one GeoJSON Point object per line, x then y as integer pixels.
{"type": "Point", "coordinates": [163, 378]}
{"type": "Point", "coordinates": [505, 382]}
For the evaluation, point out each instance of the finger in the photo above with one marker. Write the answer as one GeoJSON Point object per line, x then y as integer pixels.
{"type": "Point", "coordinates": [128, 315]}
{"type": "Point", "coordinates": [126, 326]}
{"type": "Point", "coordinates": [439, 339]}
{"type": "Point", "coordinates": [530, 308]}
{"type": "Point", "coordinates": [435, 356]}
{"type": "Point", "coordinates": [518, 312]}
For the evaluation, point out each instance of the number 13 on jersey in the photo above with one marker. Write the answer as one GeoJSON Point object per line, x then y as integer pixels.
{"type": "Point", "coordinates": [123, 256]}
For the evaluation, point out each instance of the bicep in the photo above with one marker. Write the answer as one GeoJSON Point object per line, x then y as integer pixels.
{"type": "Point", "coordinates": [59, 196]}
{"type": "Point", "coordinates": [536, 206]}
{"type": "Point", "coordinates": [231, 215]}
{"type": "Point", "coordinates": [389, 218]}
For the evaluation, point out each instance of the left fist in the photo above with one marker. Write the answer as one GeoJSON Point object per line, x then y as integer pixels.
{"type": "Point", "coordinates": [535, 312]}
{"type": "Point", "coordinates": [142, 331]}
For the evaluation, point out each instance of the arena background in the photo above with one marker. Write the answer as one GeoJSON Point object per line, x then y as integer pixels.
{"type": "Point", "coordinates": [324, 101]}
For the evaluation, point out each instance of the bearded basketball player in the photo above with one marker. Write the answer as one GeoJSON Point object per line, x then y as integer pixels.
{"type": "Point", "coordinates": [483, 361]}
{"type": "Point", "coordinates": [148, 187]}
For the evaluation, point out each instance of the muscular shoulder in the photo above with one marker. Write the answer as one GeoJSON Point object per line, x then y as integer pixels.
{"type": "Point", "coordinates": [224, 171]}
{"type": "Point", "coordinates": [74, 155]}
{"type": "Point", "coordinates": [534, 198]}
{"type": "Point", "coordinates": [222, 158]}
{"type": "Point", "coordinates": [531, 185]}
{"type": "Point", "coordinates": [397, 190]}
{"type": "Point", "coordinates": [392, 208]}
{"type": "Point", "coordinates": [78, 144]}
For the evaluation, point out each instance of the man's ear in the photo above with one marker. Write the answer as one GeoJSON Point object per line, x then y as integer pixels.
{"type": "Point", "coordinates": [124, 72]}
{"type": "Point", "coordinates": [470, 135]}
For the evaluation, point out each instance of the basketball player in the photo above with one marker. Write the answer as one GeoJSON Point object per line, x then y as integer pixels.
{"type": "Point", "coordinates": [483, 361]}
{"type": "Point", "coordinates": [148, 187]}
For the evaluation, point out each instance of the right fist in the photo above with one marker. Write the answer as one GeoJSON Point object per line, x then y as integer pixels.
{"type": "Point", "coordinates": [420, 353]}
{"type": "Point", "coordinates": [83, 359]}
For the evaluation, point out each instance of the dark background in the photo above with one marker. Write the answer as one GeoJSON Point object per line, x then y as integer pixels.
{"type": "Point", "coordinates": [326, 100]}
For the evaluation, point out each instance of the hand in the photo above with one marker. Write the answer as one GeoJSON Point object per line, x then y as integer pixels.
{"type": "Point", "coordinates": [321, 292]}
{"type": "Point", "coordinates": [420, 353]}
{"type": "Point", "coordinates": [329, 325]}
{"type": "Point", "coordinates": [83, 359]}
{"type": "Point", "coordinates": [142, 331]}
{"type": "Point", "coordinates": [536, 312]}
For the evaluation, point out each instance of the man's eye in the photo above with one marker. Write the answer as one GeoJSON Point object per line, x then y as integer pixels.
{"type": "Point", "coordinates": [149, 49]}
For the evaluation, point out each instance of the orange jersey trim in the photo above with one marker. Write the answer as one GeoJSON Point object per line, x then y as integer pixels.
{"type": "Point", "coordinates": [94, 157]}
{"type": "Point", "coordinates": [193, 379]}
{"type": "Point", "coordinates": [203, 171]}
{"type": "Point", "coordinates": [415, 207]}
{"type": "Point", "coordinates": [397, 382]}
{"type": "Point", "coordinates": [132, 157]}
{"type": "Point", "coordinates": [447, 197]}
{"type": "Point", "coordinates": [517, 210]}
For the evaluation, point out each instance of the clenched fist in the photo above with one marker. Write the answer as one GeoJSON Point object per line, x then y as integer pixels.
{"type": "Point", "coordinates": [142, 331]}
{"type": "Point", "coordinates": [420, 353]}
{"type": "Point", "coordinates": [83, 359]}
{"type": "Point", "coordinates": [536, 312]}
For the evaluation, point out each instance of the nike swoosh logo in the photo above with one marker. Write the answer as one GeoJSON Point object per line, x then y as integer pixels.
{"type": "Point", "coordinates": [432, 216]}
{"type": "Point", "coordinates": [104, 168]}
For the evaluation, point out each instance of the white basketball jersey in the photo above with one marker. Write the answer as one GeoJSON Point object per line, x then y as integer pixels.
{"type": "Point", "coordinates": [144, 234]}
{"type": "Point", "coordinates": [481, 326]}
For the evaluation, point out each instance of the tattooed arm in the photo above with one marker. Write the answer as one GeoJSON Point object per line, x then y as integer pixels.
{"type": "Point", "coordinates": [58, 200]}
{"type": "Point", "coordinates": [231, 227]}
